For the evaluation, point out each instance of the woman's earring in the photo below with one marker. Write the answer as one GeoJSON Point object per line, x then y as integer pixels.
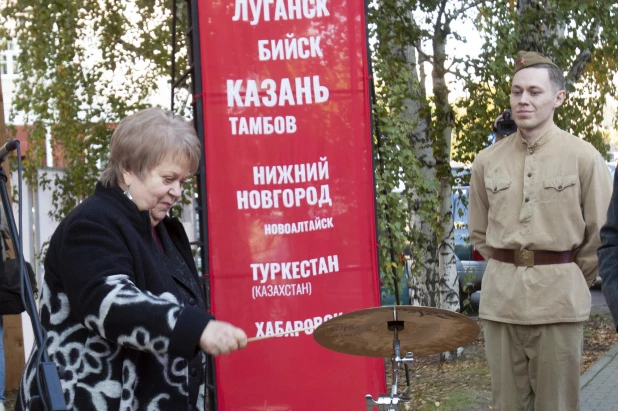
{"type": "Point", "coordinates": [128, 194]}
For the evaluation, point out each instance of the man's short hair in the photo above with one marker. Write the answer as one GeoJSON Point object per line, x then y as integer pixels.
{"type": "Point", "coordinates": [555, 76]}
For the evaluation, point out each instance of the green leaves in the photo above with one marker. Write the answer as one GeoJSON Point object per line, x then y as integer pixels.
{"type": "Point", "coordinates": [564, 30]}
{"type": "Point", "coordinates": [402, 190]}
{"type": "Point", "coordinates": [84, 66]}
{"type": "Point", "coordinates": [561, 29]}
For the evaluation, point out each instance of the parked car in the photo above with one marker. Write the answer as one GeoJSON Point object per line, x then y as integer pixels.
{"type": "Point", "coordinates": [470, 263]}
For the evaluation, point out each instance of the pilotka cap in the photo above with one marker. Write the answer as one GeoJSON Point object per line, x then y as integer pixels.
{"type": "Point", "coordinates": [527, 59]}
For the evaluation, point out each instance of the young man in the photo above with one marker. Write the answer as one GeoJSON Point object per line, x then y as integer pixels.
{"type": "Point", "coordinates": [537, 202]}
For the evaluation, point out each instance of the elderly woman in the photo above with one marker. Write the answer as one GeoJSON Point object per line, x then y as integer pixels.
{"type": "Point", "coordinates": [121, 299]}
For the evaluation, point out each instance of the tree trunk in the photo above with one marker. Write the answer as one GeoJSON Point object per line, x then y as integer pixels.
{"type": "Point", "coordinates": [424, 288]}
{"type": "Point", "coordinates": [530, 39]}
{"type": "Point", "coordinates": [535, 30]}
{"type": "Point", "coordinates": [534, 36]}
{"type": "Point", "coordinates": [447, 270]}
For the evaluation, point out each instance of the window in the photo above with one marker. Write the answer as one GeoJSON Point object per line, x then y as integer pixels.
{"type": "Point", "coordinates": [8, 57]}
{"type": "Point", "coordinates": [3, 63]}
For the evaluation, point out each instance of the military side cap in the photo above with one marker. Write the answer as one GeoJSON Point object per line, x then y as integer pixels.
{"type": "Point", "coordinates": [527, 59]}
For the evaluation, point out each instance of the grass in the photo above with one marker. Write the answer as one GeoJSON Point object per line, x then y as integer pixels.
{"type": "Point", "coordinates": [465, 384]}
{"type": "Point", "coordinates": [460, 398]}
{"type": "Point", "coordinates": [461, 384]}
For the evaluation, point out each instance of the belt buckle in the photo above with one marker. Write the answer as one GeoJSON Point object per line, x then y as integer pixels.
{"type": "Point", "coordinates": [524, 258]}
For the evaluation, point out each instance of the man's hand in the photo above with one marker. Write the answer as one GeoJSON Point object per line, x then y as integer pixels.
{"type": "Point", "coordinates": [220, 337]}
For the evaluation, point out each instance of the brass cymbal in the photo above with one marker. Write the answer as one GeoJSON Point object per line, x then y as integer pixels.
{"type": "Point", "coordinates": [426, 331]}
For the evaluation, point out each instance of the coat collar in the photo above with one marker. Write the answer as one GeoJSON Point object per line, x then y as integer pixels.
{"type": "Point", "coordinates": [140, 219]}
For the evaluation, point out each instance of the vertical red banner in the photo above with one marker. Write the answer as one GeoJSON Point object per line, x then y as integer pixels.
{"type": "Point", "coordinates": [290, 196]}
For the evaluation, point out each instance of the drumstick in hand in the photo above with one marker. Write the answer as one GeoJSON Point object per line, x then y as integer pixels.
{"type": "Point", "coordinates": [279, 334]}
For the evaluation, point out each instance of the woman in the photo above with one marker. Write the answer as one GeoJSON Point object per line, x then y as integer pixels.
{"type": "Point", "coordinates": [121, 299]}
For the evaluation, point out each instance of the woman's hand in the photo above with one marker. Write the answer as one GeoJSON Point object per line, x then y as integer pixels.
{"type": "Point", "coordinates": [220, 337]}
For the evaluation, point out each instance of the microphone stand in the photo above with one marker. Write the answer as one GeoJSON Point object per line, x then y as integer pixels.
{"type": "Point", "coordinates": [50, 396]}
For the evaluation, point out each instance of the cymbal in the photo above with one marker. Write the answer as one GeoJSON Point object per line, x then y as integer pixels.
{"type": "Point", "coordinates": [426, 331]}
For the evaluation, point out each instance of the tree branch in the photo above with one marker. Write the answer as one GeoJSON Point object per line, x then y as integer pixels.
{"type": "Point", "coordinates": [463, 9]}
{"type": "Point", "coordinates": [578, 67]}
{"type": "Point", "coordinates": [441, 12]}
{"type": "Point", "coordinates": [454, 61]}
{"type": "Point", "coordinates": [422, 55]}
{"type": "Point", "coordinates": [584, 57]}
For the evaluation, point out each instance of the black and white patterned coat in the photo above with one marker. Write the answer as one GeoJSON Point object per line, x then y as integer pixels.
{"type": "Point", "coordinates": [123, 315]}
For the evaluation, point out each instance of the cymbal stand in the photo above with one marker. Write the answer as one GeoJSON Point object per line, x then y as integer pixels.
{"type": "Point", "coordinates": [392, 402]}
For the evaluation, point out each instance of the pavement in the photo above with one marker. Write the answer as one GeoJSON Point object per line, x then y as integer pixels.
{"type": "Point", "coordinates": [599, 384]}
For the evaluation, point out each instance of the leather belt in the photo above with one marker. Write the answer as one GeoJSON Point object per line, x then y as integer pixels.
{"type": "Point", "coordinates": [527, 258]}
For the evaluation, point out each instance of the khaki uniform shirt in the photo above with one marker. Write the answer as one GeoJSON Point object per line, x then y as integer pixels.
{"type": "Point", "coordinates": [552, 195]}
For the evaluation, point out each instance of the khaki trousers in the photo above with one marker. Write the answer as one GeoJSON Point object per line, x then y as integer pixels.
{"type": "Point", "coordinates": [534, 367]}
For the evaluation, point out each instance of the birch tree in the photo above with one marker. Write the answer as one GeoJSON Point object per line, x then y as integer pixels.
{"type": "Point", "coordinates": [424, 126]}
{"type": "Point", "coordinates": [411, 122]}
{"type": "Point", "coordinates": [407, 188]}
{"type": "Point", "coordinates": [443, 13]}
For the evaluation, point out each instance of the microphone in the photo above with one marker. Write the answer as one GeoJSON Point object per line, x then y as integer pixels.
{"type": "Point", "coordinates": [10, 145]}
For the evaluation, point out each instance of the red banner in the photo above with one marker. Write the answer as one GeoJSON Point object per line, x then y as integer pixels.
{"type": "Point", "coordinates": [290, 196]}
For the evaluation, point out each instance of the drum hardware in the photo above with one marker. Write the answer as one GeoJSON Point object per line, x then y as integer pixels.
{"type": "Point", "coordinates": [388, 331]}
{"type": "Point", "coordinates": [392, 402]}
{"type": "Point", "coordinates": [384, 403]}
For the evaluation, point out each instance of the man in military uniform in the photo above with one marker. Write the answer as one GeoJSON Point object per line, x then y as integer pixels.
{"type": "Point", "coordinates": [537, 202]}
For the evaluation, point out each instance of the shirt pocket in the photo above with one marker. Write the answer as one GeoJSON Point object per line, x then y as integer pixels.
{"type": "Point", "coordinates": [497, 192]}
{"type": "Point", "coordinates": [560, 188]}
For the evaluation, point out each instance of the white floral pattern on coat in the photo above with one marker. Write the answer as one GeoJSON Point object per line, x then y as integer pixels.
{"type": "Point", "coordinates": [80, 361]}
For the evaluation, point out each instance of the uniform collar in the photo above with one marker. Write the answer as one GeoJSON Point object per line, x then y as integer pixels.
{"type": "Point", "coordinates": [546, 137]}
